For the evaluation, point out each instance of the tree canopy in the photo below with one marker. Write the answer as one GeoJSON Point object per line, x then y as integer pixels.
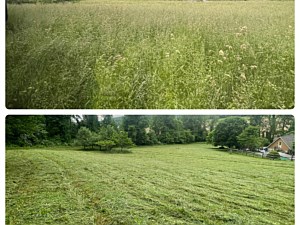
{"type": "Point", "coordinates": [250, 138]}
{"type": "Point", "coordinates": [227, 130]}
{"type": "Point", "coordinates": [239, 131]}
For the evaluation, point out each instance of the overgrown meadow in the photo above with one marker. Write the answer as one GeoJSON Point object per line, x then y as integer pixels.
{"type": "Point", "coordinates": [151, 54]}
{"type": "Point", "coordinates": [170, 184]}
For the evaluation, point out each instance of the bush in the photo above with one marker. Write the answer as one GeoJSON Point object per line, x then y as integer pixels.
{"type": "Point", "coordinates": [273, 155]}
{"type": "Point", "coordinates": [106, 144]}
{"type": "Point", "coordinates": [84, 137]}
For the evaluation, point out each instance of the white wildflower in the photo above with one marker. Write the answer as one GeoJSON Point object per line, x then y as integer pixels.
{"type": "Point", "coordinates": [243, 76]}
{"type": "Point", "coordinates": [228, 46]}
{"type": "Point", "coordinates": [243, 29]}
{"type": "Point", "coordinates": [243, 46]}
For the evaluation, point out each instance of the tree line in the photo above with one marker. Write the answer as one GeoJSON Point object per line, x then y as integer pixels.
{"type": "Point", "coordinates": [107, 132]}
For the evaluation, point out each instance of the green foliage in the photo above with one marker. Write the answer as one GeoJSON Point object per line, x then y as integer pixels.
{"type": "Point", "coordinates": [197, 126]}
{"type": "Point", "coordinates": [53, 130]}
{"type": "Point", "coordinates": [136, 126]}
{"type": "Point", "coordinates": [170, 129]}
{"type": "Point", "coordinates": [151, 138]}
{"type": "Point", "coordinates": [60, 128]}
{"type": "Point", "coordinates": [189, 137]}
{"type": "Point", "coordinates": [250, 138]}
{"type": "Point", "coordinates": [84, 137]}
{"type": "Point", "coordinates": [209, 137]}
{"type": "Point", "coordinates": [107, 138]}
{"type": "Point", "coordinates": [166, 184]}
{"type": "Point", "coordinates": [227, 130]}
{"type": "Point", "coordinates": [292, 151]}
{"type": "Point", "coordinates": [106, 144]}
{"type": "Point", "coordinates": [273, 155]}
{"type": "Point", "coordinates": [152, 55]}
{"type": "Point", "coordinates": [25, 130]}
{"type": "Point", "coordinates": [107, 133]}
{"type": "Point", "coordinates": [123, 141]}
{"type": "Point", "coordinates": [107, 121]}
{"type": "Point", "coordinates": [48, 130]}
{"type": "Point", "coordinates": [91, 122]}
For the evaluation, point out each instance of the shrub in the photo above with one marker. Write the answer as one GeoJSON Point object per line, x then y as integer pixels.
{"type": "Point", "coordinates": [273, 155]}
{"type": "Point", "coordinates": [84, 137]}
{"type": "Point", "coordinates": [106, 144]}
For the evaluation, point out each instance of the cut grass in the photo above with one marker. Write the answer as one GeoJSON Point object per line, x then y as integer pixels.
{"type": "Point", "coordinates": [151, 54]}
{"type": "Point", "coordinates": [176, 184]}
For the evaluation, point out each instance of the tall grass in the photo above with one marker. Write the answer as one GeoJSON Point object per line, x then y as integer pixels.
{"type": "Point", "coordinates": [151, 54]}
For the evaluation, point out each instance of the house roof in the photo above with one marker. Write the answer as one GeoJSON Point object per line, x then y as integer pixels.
{"type": "Point", "coordinates": [287, 139]}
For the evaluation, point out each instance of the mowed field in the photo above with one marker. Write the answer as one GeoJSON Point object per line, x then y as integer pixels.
{"type": "Point", "coordinates": [150, 54]}
{"type": "Point", "coordinates": [172, 184]}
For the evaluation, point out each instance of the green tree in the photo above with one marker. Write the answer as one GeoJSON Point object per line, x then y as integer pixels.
{"type": "Point", "coordinates": [227, 130]}
{"type": "Point", "coordinates": [189, 137]}
{"type": "Point", "coordinates": [25, 130]}
{"type": "Point", "coordinates": [286, 124]}
{"type": "Point", "coordinates": [85, 137]}
{"type": "Point", "coordinates": [212, 122]}
{"type": "Point", "coordinates": [106, 144]}
{"type": "Point", "coordinates": [136, 126]}
{"type": "Point", "coordinates": [122, 140]}
{"type": "Point", "coordinates": [197, 125]}
{"type": "Point", "coordinates": [107, 121]}
{"type": "Point", "coordinates": [177, 133]}
{"type": "Point", "coordinates": [272, 127]}
{"type": "Point", "coordinates": [173, 129]}
{"type": "Point", "coordinates": [209, 137]}
{"type": "Point", "coordinates": [163, 127]}
{"type": "Point", "coordinates": [292, 151]}
{"type": "Point", "coordinates": [151, 138]}
{"type": "Point", "coordinates": [107, 133]}
{"type": "Point", "coordinates": [250, 138]}
{"type": "Point", "coordinates": [59, 127]}
{"type": "Point", "coordinates": [256, 120]}
{"type": "Point", "coordinates": [91, 122]}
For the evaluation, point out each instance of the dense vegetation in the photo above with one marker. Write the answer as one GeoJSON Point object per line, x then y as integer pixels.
{"type": "Point", "coordinates": [172, 184]}
{"type": "Point", "coordinates": [107, 132]}
{"type": "Point", "coordinates": [150, 54]}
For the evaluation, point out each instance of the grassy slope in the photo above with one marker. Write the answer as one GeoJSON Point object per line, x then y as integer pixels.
{"type": "Point", "coordinates": [150, 54]}
{"type": "Point", "coordinates": [177, 184]}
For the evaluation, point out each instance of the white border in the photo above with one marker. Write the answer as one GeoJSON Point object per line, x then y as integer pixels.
{"type": "Point", "coordinates": [295, 111]}
{"type": "Point", "coordinates": [4, 112]}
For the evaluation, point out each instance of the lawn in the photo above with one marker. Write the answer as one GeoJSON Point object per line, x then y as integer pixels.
{"type": "Point", "coordinates": [171, 184]}
{"type": "Point", "coordinates": [151, 54]}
